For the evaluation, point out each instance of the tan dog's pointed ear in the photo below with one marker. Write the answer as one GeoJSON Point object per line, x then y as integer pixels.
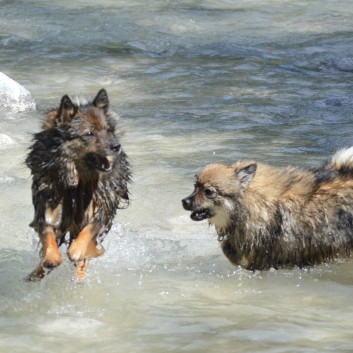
{"type": "Point", "coordinates": [102, 101]}
{"type": "Point", "coordinates": [67, 110]}
{"type": "Point", "coordinates": [245, 175]}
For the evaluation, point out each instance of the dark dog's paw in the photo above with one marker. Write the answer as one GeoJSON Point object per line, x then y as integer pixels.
{"type": "Point", "coordinates": [52, 259]}
{"type": "Point", "coordinates": [37, 274]}
{"type": "Point", "coordinates": [77, 251]}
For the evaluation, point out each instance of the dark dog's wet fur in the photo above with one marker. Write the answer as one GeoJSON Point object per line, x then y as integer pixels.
{"type": "Point", "coordinates": [278, 217]}
{"type": "Point", "coordinates": [79, 179]}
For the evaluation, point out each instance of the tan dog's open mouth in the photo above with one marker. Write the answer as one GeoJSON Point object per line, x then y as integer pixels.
{"type": "Point", "coordinates": [201, 214]}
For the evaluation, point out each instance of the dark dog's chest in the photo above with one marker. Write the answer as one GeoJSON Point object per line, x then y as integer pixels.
{"type": "Point", "coordinates": [83, 205]}
{"type": "Point", "coordinates": [76, 206]}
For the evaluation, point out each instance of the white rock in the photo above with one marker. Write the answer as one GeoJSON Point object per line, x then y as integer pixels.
{"type": "Point", "coordinates": [13, 96]}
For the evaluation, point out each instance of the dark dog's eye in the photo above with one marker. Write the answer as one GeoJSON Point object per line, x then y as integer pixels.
{"type": "Point", "coordinates": [210, 192]}
{"type": "Point", "coordinates": [89, 134]}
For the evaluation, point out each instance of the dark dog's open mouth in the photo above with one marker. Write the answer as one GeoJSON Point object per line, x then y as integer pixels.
{"type": "Point", "coordinates": [201, 214]}
{"type": "Point", "coordinates": [99, 162]}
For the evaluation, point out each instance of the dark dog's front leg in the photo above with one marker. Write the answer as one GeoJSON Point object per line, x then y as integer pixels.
{"type": "Point", "coordinates": [78, 249]}
{"type": "Point", "coordinates": [51, 254]}
{"type": "Point", "coordinates": [92, 251]}
{"type": "Point", "coordinates": [51, 257]}
{"type": "Point", "coordinates": [83, 248]}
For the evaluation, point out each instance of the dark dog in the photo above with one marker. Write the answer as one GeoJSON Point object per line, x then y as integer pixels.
{"type": "Point", "coordinates": [80, 176]}
{"type": "Point", "coordinates": [278, 217]}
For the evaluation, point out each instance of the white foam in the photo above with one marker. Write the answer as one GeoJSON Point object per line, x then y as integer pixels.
{"type": "Point", "coordinates": [5, 141]}
{"type": "Point", "coordinates": [72, 326]}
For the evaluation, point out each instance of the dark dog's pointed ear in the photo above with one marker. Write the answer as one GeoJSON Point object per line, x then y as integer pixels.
{"type": "Point", "coordinates": [102, 101]}
{"type": "Point", "coordinates": [246, 174]}
{"type": "Point", "coordinates": [67, 110]}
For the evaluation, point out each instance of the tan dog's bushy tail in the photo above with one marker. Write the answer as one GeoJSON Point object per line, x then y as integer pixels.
{"type": "Point", "coordinates": [341, 161]}
{"type": "Point", "coordinates": [340, 165]}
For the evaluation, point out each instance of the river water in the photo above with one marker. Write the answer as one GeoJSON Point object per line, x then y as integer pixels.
{"type": "Point", "coordinates": [194, 82]}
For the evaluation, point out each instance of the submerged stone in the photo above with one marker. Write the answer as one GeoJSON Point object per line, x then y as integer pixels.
{"type": "Point", "coordinates": [13, 96]}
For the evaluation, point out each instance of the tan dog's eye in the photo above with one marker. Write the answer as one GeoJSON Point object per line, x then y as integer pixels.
{"type": "Point", "coordinates": [210, 193]}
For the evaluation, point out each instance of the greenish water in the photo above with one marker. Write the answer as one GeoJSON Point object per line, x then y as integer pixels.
{"type": "Point", "coordinates": [194, 82]}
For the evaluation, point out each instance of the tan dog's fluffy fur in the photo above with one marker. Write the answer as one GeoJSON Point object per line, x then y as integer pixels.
{"type": "Point", "coordinates": [267, 216]}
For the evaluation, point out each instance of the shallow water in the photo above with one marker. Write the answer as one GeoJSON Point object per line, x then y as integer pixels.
{"type": "Point", "coordinates": [194, 82]}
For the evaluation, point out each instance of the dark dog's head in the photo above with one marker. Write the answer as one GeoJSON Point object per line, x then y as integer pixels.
{"type": "Point", "coordinates": [217, 188]}
{"type": "Point", "coordinates": [89, 131]}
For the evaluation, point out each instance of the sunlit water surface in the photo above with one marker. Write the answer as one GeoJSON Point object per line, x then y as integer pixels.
{"type": "Point", "coordinates": [194, 82]}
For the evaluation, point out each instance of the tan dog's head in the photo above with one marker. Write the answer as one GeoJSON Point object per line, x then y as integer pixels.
{"type": "Point", "coordinates": [217, 188]}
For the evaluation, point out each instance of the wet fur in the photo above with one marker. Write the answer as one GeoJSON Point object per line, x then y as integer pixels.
{"type": "Point", "coordinates": [267, 216]}
{"type": "Point", "coordinates": [80, 176]}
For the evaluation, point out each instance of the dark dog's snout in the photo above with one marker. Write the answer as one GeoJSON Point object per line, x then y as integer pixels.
{"type": "Point", "coordinates": [115, 146]}
{"type": "Point", "coordinates": [187, 203]}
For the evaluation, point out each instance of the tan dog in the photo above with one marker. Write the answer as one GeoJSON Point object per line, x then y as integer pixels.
{"type": "Point", "coordinates": [267, 216]}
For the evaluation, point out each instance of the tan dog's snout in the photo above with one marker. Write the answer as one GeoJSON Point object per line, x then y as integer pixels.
{"type": "Point", "coordinates": [188, 202]}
